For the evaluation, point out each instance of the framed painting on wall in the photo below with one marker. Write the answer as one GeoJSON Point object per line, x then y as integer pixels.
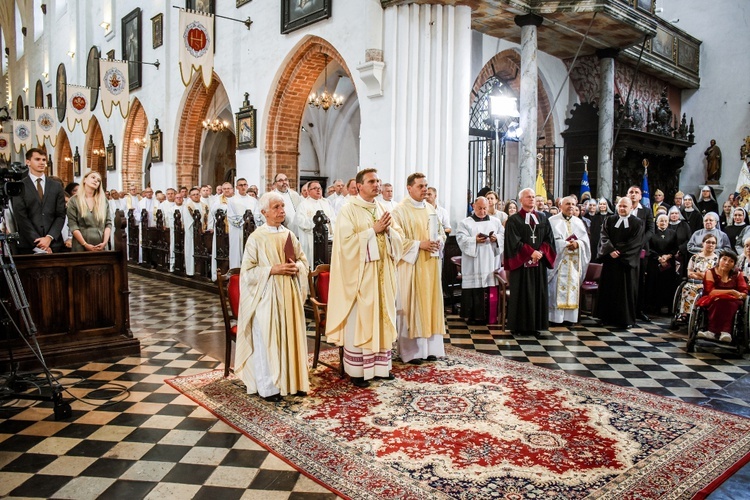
{"type": "Point", "coordinates": [246, 126]}
{"type": "Point", "coordinates": [156, 136]}
{"type": "Point", "coordinates": [111, 155]}
{"type": "Point", "coordinates": [296, 14]}
{"type": "Point", "coordinates": [131, 47]}
{"type": "Point", "coordinates": [157, 30]}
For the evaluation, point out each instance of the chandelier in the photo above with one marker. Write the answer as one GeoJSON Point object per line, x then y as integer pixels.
{"type": "Point", "coordinates": [215, 125]}
{"type": "Point", "coordinates": [325, 100]}
{"type": "Point", "coordinates": [99, 152]}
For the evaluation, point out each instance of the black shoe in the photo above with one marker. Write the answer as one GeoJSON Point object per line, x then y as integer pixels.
{"type": "Point", "coordinates": [431, 358]}
{"type": "Point", "coordinates": [360, 382]}
{"type": "Point", "coordinates": [389, 377]}
{"type": "Point", "coordinates": [416, 361]}
{"type": "Point", "coordinates": [300, 394]}
{"type": "Point", "coordinates": [273, 398]}
{"type": "Point", "coordinates": [643, 317]}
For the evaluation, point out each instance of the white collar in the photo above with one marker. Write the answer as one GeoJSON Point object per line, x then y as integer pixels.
{"type": "Point", "coordinates": [530, 216]}
{"type": "Point", "coordinates": [623, 221]}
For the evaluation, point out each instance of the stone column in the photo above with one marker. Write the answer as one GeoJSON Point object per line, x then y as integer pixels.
{"type": "Point", "coordinates": [528, 105]}
{"type": "Point", "coordinates": [606, 120]}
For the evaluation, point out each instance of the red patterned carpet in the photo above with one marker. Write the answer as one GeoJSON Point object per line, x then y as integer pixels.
{"type": "Point", "coordinates": [478, 426]}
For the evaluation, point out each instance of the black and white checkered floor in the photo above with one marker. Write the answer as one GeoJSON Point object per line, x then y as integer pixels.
{"type": "Point", "coordinates": [133, 436]}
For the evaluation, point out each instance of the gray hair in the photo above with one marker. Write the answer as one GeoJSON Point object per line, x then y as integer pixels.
{"type": "Point", "coordinates": [713, 215]}
{"type": "Point", "coordinates": [662, 216]}
{"type": "Point", "coordinates": [520, 193]}
{"type": "Point", "coordinates": [265, 201]}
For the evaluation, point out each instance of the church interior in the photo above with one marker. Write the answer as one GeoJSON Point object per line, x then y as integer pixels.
{"type": "Point", "coordinates": [616, 91]}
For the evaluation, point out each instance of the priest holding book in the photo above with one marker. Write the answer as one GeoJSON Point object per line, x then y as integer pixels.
{"type": "Point", "coordinates": [271, 357]}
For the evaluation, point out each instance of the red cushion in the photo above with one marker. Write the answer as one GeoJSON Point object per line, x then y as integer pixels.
{"type": "Point", "coordinates": [233, 331]}
{"type": "Point", "coordinates": [234, 293]}
{"type": "Point", "coordinates": [321, 286]}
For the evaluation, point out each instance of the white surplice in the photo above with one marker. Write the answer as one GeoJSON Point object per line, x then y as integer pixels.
{"type": "Point", "coordinates": [303, 221]}
{"type": "Point", "coordinates": [564, 280]}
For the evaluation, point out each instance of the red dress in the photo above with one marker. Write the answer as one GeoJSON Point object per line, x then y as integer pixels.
{"type": "Point", "coordinates": [721, 308]}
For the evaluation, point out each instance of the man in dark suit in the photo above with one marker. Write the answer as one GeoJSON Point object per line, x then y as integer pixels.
{"type": "Point", "coordinates": [647, 217]}
{"type": "Point", "coordinates": [40, 209]}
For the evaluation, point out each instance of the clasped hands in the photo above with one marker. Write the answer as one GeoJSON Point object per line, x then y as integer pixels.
{"type": "Point", "coordinates": [383, 223]}
{"type": "Point", "coordinates": [43, 243]}
{"type": "Point", "coordinates": [536, 256]}
{"type": "Point", "coordinates": [287, 269]}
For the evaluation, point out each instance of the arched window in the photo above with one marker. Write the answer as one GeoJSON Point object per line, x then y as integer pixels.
{"type": "Point", "coordinates": [480, 121]}
{"type": "Point", "coordinates": [38, 16]}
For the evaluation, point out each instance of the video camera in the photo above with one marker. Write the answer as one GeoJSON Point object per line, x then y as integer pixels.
{"type": "Point", "coordinates": [10, 182]}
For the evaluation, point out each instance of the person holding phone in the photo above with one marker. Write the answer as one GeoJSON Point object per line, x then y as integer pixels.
{"type": "Point", "coordinates": [478, 236]}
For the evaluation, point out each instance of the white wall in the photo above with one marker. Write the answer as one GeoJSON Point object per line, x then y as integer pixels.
{"type": "Point", "coordinates": [720, 108]}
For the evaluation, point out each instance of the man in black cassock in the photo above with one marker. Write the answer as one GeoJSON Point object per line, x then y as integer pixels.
{"type": "Point", "coordinates": [529, 252]}
{"type": "Point", "coordinates": [620, 253]}
{"type": "Point", "coordinates": [646, 215]}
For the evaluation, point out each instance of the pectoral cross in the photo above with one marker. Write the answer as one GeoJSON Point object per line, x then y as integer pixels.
{"type": "Point", "coordinates": [533, 239]}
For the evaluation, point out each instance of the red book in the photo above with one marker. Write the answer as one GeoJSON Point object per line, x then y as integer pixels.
{"type": "Point", "coordinates": [289, 250]}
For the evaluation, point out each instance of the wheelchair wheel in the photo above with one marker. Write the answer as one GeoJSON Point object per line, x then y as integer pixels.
{"type": "Point", "coordinates": [693, 327]}
{"type": "Point", "coordinates": [676, 302]}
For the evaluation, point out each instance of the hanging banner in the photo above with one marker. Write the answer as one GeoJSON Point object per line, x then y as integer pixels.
{"type": "Point", "coordinates": [196, 45]}
{"type": "Point", "coordinates": [22, 135]}
{"type": "Point", "coordinates": [79, 107]}
{"type": "Point", "coordinates": [114, 86]}
{"type": "Point", "coordinates": [45, 125]}
{"type": "Point", "coordinates": [5, 146]}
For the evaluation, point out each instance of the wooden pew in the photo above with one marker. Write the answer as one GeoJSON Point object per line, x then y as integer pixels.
{"type": "Point", "coordinates": [79, 304]}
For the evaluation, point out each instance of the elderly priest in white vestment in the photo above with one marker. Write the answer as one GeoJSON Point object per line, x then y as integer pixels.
{"type": "Point", "coordinates": [420, 317]}
{"type": "Point", "coordinates": [303, 219]}
{"type": "Point", "coordinates": [478, 236]}
{"type": "Point", "coordinates": [271, 357]}
{"type": "Point", "coordinates": [573, 257]}
{"type": "Point", "coordinates": [362, 293]}
{"type": "Point", "coordinates": [237, 205]}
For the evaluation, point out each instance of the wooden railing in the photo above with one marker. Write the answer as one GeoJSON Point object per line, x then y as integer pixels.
{"type": "Point", "coordinates": [151, 247]}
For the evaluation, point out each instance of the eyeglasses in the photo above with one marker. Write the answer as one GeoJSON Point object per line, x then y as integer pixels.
{"type": "Point", "coordinates": [242, 184]}
{"type": "Point", "coordinates": [282, 180]}
{"type": "Point", "coordinates": [316, 187]}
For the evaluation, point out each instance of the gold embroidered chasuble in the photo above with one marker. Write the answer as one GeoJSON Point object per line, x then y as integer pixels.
{"type": "Point", "coordinates": [419, 281]}
{"type": "Point", "coordinates": [363, 271]}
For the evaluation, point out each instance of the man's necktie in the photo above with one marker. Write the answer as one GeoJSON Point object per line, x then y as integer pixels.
{"type": "Point", "coordinates": [39, 189]}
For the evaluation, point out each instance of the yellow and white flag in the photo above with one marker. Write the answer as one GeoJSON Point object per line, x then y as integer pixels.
{"type": "Point", "coordinates": [196, 45]}
{"type": "Point", "coordinates": [45, 125]}
{"type": "Point", "coordinates": [114, 86]}
{"type": "Point", "coordinates": [5, 146]}
{"type": "Point", "coordinates": [22, 135]}
{"type": "Point", "coordinates": [540, 190]}
{"type": "Point", "coordinates": [79, 107]}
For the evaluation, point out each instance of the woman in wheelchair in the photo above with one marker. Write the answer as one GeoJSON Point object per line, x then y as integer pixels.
{"type": "Point", "coordinates": [724, 290]}
{"type": "Point", "coordinates": [697, 267]}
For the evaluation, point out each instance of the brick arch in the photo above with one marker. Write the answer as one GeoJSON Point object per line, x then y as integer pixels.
{"type": "Point", "coordinates": [132, 154]}
{"type": "Point", "coordinates": [62, 151]}
{"type": "Point", "coordinates": [507, 67]}
{"type": "Point", "coordinates": [288, 105]}
{"type": "Point", "coordinates": [95, 140]}
{"type": "Point", "coordinates": [194, 111]}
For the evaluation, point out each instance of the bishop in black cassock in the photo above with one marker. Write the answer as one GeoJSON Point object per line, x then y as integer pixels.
{"type": "Point", "coordinates": [528, 235]}
{"type": "Point", "coordinates": [620, 253]}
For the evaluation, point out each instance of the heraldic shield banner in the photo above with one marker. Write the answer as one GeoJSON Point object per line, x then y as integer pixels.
{"type": "Point", "coordinates": [196, 45]}
{"type": "Point", "coordinates": [114, 86]}
{"type": "Point", "coordinates": [21, 135]}
{"type": "Point", "coordinates": [45, 125]}
{"type": "Point", "coordinates": [5, 145]}
{"type": "Point", "coordinates": [79, 107]}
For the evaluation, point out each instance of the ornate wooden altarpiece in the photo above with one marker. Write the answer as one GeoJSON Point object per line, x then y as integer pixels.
{"type": "Point", "coordinates": [655, 135]}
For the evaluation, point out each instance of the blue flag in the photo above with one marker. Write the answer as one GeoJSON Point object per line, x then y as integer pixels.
{"type": "Point", "coordinates": [645, 198]}
{"type": "Point", "coordinates": [585, 188]}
